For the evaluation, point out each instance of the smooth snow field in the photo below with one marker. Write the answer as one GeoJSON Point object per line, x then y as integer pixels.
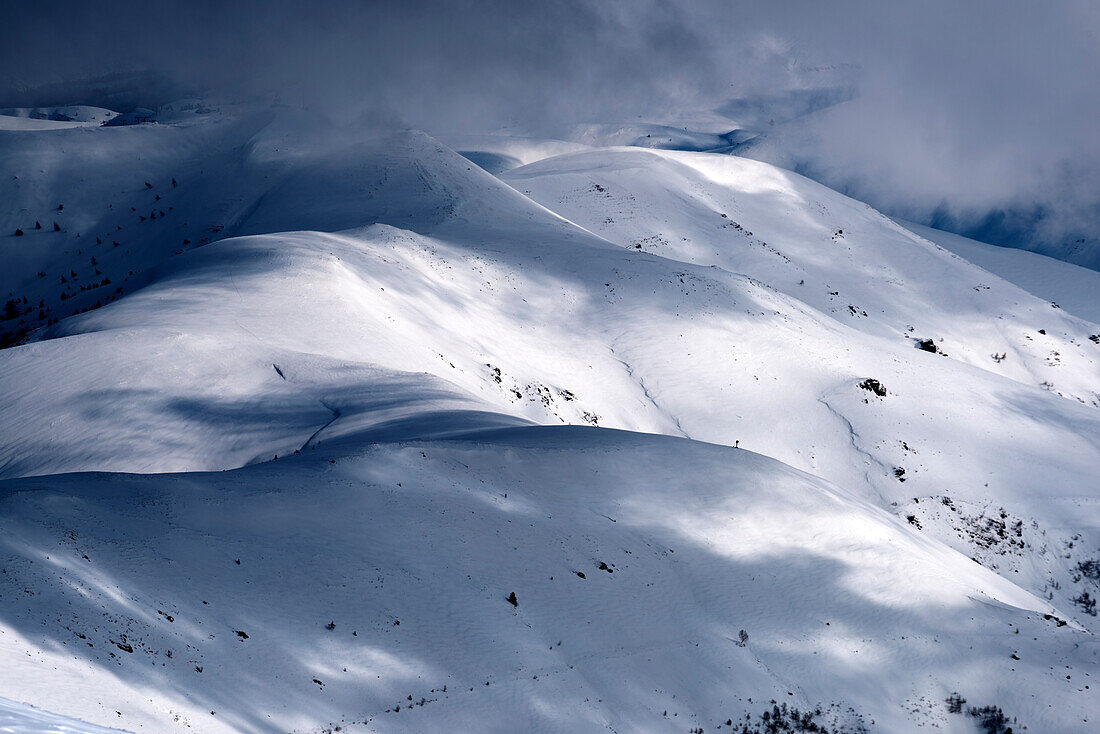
{"type": "Point", "coordinates": [304, 430]}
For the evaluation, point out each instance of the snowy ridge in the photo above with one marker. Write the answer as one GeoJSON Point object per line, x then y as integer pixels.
{"type": "Point", "coordinates": [427, 348]}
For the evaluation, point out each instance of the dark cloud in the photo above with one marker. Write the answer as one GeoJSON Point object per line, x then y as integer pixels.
{"type": "Point", "coordinates": [443, 64]}
{"type": "Point", "coordinates": [976, 114]}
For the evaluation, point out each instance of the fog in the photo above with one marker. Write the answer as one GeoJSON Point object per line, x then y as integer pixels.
{"type": "Point", "coordinates": [978, 116]}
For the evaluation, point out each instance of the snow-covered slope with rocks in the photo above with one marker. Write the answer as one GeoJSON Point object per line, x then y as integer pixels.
{"type": "Point", "coordinates": [873, 456]}
{"type": "Point", "coordinates": [1072, 287]}
{"type": "Point", "coordinates": [369, 589]}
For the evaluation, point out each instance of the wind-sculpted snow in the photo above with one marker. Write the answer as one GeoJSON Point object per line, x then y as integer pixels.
{"type": "Point", "coordinates": [369, 590]}
{"type": "Point", "coordinates": [21, 718]}
{"type": "Point", "coordinates": [429, 351]}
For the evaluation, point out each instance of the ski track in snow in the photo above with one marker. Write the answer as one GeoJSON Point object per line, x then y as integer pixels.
{"type": "Point", "coordinates": [645, 391]}
{"type": "Point", "coordinates": [854, 437]}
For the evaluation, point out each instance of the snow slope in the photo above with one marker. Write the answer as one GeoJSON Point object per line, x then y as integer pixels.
{"type": "Point", "coordinates": [859, 269]}
{"type": "Point", "coordinates": [499, 153]}
{"type": "Point", "coordinates": [381, 302]}
{"type": "Point", "coordinates": [53, 118]}
{"type": "Point", "coordinates": [797, 143]}
{"type": "Point", "coordinates": [371, 593]}
{"type": "Point", "coordinates": [20, 718]}
{"type": "Point", "coordinates": [1072, 287]}
{"type": "Point", "coordinates": [826, 250]}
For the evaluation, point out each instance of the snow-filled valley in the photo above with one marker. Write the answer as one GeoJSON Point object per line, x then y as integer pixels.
{"type": "Point", "coordinates": [306, 428]}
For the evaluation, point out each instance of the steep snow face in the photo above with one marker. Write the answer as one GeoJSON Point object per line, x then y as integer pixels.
{"type": "Point", "coordinates": [659, 585]}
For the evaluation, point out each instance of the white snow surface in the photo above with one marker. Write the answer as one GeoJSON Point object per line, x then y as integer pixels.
{"type": "Point", "coordinates": [53, 118]}
{"type": "Point", "coordinates": [644, 366]}
{"type": "Point", "coordinates": [21, 718]}
{"type": "Point", "coordinates": [1072, 287]}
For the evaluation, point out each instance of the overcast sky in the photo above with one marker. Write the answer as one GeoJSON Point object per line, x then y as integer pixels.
{"type": "Point", "coordinates": [963, 106]}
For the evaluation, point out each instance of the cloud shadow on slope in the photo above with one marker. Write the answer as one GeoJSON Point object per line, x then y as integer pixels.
{"type": "Point", "coordinates": [433, 535]}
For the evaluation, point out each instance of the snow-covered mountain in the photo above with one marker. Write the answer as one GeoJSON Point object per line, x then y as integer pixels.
{"type": "Point", "coordinates": [1038, 221]}
{"type": "Point", "coordinates": [295, 409]}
